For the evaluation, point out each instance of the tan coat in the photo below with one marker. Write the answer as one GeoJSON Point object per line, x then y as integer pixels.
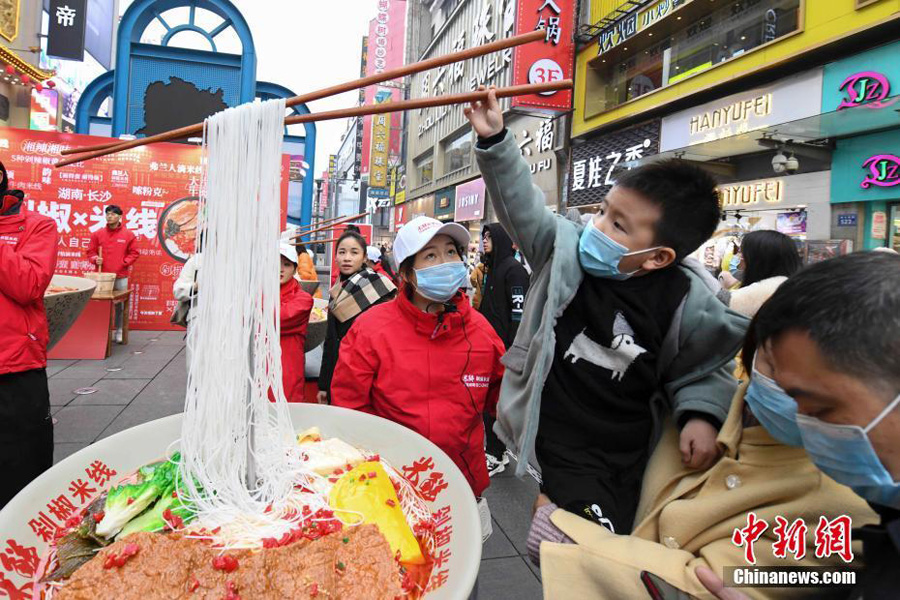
{"type": "Point", "coordinates": [477, 279]}
{"type": "Point", "coordinates": [686, 519]}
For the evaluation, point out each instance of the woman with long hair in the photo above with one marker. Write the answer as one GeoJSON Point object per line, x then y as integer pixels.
{"type": "Point", "coordinates": [357, 289]}
{"type": "Point", "coordinates": [427, 360]}
{"type": "Point", "coordinates": [767, 259]}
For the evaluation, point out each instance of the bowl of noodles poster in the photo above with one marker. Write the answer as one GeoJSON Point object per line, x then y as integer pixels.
{"type": "Point", "coordinates": [177, 230]}
{"type": "Point", "coordinates": [34, 524]}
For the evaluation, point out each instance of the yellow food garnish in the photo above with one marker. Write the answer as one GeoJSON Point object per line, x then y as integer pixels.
{"type": "Point", "coordinates": [367, 489]}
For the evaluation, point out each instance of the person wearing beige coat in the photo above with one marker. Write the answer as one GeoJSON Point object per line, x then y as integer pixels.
{"type": "Point", "coordinates": [686, 519]}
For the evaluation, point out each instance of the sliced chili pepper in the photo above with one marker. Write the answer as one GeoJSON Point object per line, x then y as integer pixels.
{"type": "Point", "coordinates": [194, 585]}
{"type": "Point", "coordinates": [362, 477]}
{"type": "Point", "coordinates": [313, 590]}
{"type": "Point", "coordinates": [390, 502]}
{"type": "Point", "coordinates": [131, 549]}
{"type": "Point", "coordinates": [373, 474]}
{"type": "Point", "coordinates": [98, 516]}
{"type": "Point", "coordinates": [130, 501]}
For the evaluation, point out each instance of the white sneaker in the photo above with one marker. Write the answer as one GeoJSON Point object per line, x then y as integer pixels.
{"type": "Point", "coordinates": [495, 465]}
{"type": "Point", "coordinates": [484, 516]}
{"type": "Point", "coordinates": [117, 336]}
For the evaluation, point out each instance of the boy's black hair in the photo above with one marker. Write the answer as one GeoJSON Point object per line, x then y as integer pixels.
{"type": "Point", "coordinates": [767, 254]}
{"type": "Point", "coordinates": [687, 196]}
{"type": "Point", "coordinates": [849, 306]}
{"type": "Point", "coordinates": [114, 208]}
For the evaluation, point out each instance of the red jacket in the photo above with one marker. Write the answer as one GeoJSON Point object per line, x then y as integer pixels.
{"type": "Point", "coordinates": [296, 306]}
{"type": "Point", "coordinates": [418, 370]}
{"type": "Point", "coordinates": [27, 261]}
{"type": "Point", "coordinates": [119, 250]}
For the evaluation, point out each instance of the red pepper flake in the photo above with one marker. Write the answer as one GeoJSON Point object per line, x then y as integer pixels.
{"type": "Point", "coordinates": [349, 467]}
{"type": "Point", "coordinates": [130, 501]}
{"type": "Point", "coordinates": [110, 561]}
{"type": "Point", "coordinates": [376, 458]}
{"type": "Point", "coordinates": [175, 494]}
{"type": "Point", "coordinates": [313, 590]}
{"type": "Point", "coordinates": [195, 584]}
{"type": "Point", "coordinates": [98, 516]}
{"type": "Point", "coordinates": [131, 549]}
{"type": "Point", "coordinates": [216, 530]}
{"type": "Point", "coordinates": [232, 591]}
{"type": "Point", "coordinates": [225, 562]}
{"type": "Point", "coordinates": [332, 479]}
{"type": "Point", "coordinates": [362, 477]}
{"type": "Point", "coordinates": [390, 502]}
{"type": "Point", "coordinates": [373, 474]}
{"type": "Point", "coordinates": [338, 471]}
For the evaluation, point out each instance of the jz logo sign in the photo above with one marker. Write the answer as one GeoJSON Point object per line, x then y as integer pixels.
{"type": "Point", "coordinates": [884, 171]}
{"type": "Point", "coordinates": [868, 88]}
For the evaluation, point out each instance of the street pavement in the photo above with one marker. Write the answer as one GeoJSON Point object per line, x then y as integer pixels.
{"type": "Point", "coordinates": [146, 380]}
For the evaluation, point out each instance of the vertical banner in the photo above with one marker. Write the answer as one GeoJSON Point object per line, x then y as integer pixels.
{"type": "Point", "coordinates": [65, 36]}
{"type": "Point", "coordinates": [378, 153]}
{"type": "Point", "coordinates": [551, 61]}
{"type": "Point", "coordinates": [157, 188]}
{"type": "Point", "coordinates": [44, 109]}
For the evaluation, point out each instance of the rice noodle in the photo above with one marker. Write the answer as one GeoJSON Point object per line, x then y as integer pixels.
{"type": "Point", "coordinates": [234, 338]}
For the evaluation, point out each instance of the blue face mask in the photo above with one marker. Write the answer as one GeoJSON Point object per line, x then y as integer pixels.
{"type": "Point", "coordinates": [775, 410]}
{"type": "Point", "coordinates": [845, 453]}
{"type": "Point", "coordinates": [735, 264]}
{"type": "Point", "coordinates": [441, 282]}
{"type": "Point", "coordinates": [600, 255]}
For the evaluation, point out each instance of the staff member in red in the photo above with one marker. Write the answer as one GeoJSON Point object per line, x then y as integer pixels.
{"type": "Point", "coordinates": [296, 305]}
{"type": "Point", "coordinates": [27, 261]}
{"type": "Point", "coordinates": [427, 360]}
{"type": "Point", "coordinates": [119, 253]}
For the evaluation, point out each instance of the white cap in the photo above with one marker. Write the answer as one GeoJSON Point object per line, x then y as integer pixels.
{"type": "Point", "coordinates": [373, 254]}
{"type": "Point", "coordinates": [288, 250]}
{"type": "Point", "coordinates": [416, 234]}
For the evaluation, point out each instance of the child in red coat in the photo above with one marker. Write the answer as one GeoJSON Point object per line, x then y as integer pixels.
{"type": "Point", "coordinates": [296, 306]}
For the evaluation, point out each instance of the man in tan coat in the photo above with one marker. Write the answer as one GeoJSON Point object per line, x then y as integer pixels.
{"type": "Point", "coordinates": [687, 518]}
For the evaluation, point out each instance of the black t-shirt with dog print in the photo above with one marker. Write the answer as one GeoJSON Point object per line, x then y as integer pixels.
{"type": "Point", "coordinates": [595, 420]}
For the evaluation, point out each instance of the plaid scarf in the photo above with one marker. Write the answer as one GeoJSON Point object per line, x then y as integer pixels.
{"type": "Point", "coordinates": [357, 294]}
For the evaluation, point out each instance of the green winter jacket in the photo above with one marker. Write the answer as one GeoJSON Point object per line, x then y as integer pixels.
{"type": "Point", "coordinates": [696, 360]}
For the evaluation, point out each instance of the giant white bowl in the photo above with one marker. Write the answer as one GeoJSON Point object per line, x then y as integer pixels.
{"type": "Point", "coordinates": [128, 450]}
{"type": "Point", "coordinates": [63, 308]}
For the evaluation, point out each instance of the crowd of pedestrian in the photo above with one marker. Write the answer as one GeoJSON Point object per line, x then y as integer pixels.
{"type": "Point", "coordinates": [662, 410]}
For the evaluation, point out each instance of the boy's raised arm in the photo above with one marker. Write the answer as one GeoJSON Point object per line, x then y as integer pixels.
{"type": "Point", "coordinates": [519, 204]}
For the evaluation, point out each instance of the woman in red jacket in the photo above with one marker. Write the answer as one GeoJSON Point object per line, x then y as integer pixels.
{"type": "Point", "coordinates": [296, 305]}
{"type": "Point", "coordinates": [27, 261]}
{"type": "Point", "coordinates": [426, 360]}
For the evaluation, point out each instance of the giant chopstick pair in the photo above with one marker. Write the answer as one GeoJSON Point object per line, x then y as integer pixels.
{"type": "Point", "coordinates": [89, 152]}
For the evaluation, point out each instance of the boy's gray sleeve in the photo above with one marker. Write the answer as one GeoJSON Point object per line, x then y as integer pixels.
{"type": "Point", "coordinates": [519, 204]}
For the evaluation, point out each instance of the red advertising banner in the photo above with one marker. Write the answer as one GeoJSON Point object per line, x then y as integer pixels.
{"type": "Point", "coordinates": [386, 48]}
{"type": "Point", "coordinates": [552, 61]}
{"type": "Point", "coordinates": [156, 186]}
{"type": "Point", "coordinates": [338, 231]}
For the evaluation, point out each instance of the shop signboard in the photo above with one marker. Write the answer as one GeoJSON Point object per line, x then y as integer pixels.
{"type": "Point", "coordinates": [44, 109]}
{"type": "Point", "coordinates": [866, 79]}
{"type": "Point", "coordinates": [879, 225]}
{"type": "Point", "coordinates": [470, 197]}
{"type": "Point", "coordinates": [634, 22]}
{"type": "Point", "coordinates": [746, 194]}
{"type": "Point", "coordinates": [790, 99]}
{"type": "Point", "coordinates": [445, 204]}
{"type": "Point", "coordinates": [846, 220]}
{"type": "Point", "coordinates": [866, 168]}
{"type": "Point", "coordinates": [791, 223]}
{"type": "Point", "coordinates": [65, 34]}
{"type": "Point", "coordinates": [156, 186]}
{"type": "Point", "coordinates": [596, 163]}
{"type": "Point", "coordinates": [551, 61]}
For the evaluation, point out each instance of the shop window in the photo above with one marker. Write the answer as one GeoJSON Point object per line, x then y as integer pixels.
{"type": "Point", "coordinates": [458, 152]}
{"type": "Point", "coordinates": [706, 41]}
{"type": "Point", "coordinates": [425, 168]}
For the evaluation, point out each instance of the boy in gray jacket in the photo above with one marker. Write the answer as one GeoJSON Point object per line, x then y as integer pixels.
{"type": "Point", "coordinates": [618, 332]}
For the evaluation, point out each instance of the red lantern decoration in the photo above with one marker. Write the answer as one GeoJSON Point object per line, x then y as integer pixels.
{"type": "Point", "coordinates": [10, 70]}
{"type": "Point", "coordinates": [38, 87]}
{"type": "Point", "coordinates": [26, 79]}
{"type": "Point", "coordinates": [51, 84]}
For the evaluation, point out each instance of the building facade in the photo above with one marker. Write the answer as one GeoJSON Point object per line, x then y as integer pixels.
{"type": "Point", "coordinates": [752, 90]}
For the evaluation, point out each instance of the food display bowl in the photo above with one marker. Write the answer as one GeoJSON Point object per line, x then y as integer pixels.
{"type": "Point", "coordinates": [36, 510]}
{"type": "Point", "coordinates": [315, 332]}
{"type": "Point", "coordinates": [63, 308]}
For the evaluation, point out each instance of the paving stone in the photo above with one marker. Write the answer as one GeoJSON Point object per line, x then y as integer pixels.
{"type": "Point", "coordinates": [112, 391]}
{"type": "Point", "coordinates": [66, 449]}
{"type": "Point", "coordinates": [136, 414]}
{"type": "Point", "coordinates": [62, 391]}
{"type": "Point", "coordinates": [511, 500]}
{"type": "Point", "coordinates": [55, 366]}
{"type": "Point", "coordinates": [83, 423]}
{"type": "Point", "coordinates": [145, 368]}
{"type": "Point", "coordinates": [498, 545]}
{"type": "Point", "coordinates": [507, 579]}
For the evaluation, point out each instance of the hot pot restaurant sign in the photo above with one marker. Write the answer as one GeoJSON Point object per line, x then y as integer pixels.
{"type": "Point", "coordinates": [545, 62]}
{"type": "Point", "coordinates": [156, 186]}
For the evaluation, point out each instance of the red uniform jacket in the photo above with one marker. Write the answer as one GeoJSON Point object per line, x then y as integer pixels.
{"type": "Point", "coordinates": [119, 251]}
{"type": "Point", "coordinates": [295, 308]}
{"type": "Point", "coordinates": [433, 375]}
{"type": "Point", "coordinates": [27, 261]}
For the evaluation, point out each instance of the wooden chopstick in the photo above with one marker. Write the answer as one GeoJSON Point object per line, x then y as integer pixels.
{"type": "Point", "coordinates": [382, 108]}
{"type": "Point", "coordinates": [438, 61]}
{"type": "Point", "coordinates": [340, 221]}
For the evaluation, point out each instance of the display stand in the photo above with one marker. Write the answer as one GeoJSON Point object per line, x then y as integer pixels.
{"type": "Point", "coordinates": [91, 335]}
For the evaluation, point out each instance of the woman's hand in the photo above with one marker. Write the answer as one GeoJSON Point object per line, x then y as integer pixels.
{"type": "Point", "coordinates": [485, 116]}
{"type": "Point", "coordinates": [322, 397]}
